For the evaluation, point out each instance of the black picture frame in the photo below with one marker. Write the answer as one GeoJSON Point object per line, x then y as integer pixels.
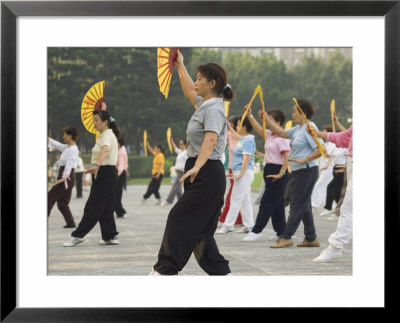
{"type": "Point", "coordinates": [10, 10]}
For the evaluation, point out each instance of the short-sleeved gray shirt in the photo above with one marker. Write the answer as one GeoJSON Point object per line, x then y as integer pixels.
{"type": "Point", "coordinates": [209, 116]}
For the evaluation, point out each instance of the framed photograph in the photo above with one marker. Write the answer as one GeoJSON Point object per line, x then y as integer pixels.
{"type": "Point", "coordinates": [370, 28]}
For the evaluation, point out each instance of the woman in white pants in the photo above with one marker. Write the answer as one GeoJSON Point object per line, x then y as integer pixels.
{"type": "Point", "coordinates": [344, 229]}
{"type": "Point", "coordinates": [243, 174]}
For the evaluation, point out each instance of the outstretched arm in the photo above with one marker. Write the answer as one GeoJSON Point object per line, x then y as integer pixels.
{"type": "Point", "coordinates": [186, 81]}
{"type": "Point", "coordinates": [151, 150]}
{"type": "Point", "coordinates": [234, 134]}
{"type": "Point", "coordinates": [339, 125]}
{"type": "Point", "coordinates": [273, 127]}
{"type": "Point", "coordinates": [256, 126]}
{"type": "Point", "coordinates": [173, 143]}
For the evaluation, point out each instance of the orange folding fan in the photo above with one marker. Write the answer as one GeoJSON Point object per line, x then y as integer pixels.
{"type": "Point", "coordinates": [166, 58]}
{"type": "Point", "coordinates": [92, 100]}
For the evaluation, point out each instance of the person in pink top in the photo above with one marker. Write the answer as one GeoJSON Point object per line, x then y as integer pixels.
{"type": "Point", "coordinates": [122, 167]}
{"type": "Point", "coordinates": [276, 160]}
{"type": "Point", "coordinates": [344, 229]}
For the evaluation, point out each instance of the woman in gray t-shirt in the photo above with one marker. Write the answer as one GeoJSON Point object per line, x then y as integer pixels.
{"type": "Point", "coordinates": [192, 222]}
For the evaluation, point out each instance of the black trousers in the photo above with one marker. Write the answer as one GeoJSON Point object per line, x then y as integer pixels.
{"type": "Point", "coordinates": [288, 190]}
{"type": "Point", "coordinates": [78, 185]}
{"type": "Point", "coordinates": [272, 204]}
{"type": "Point", "coordinates": [121, 182]}
{"type": "Point", "coordinates": [62, 196]}
{"type": "Point", "coordinates": [300, 203]}
{"type": "Point", "coordinates": [334, 189]}
{"type": "Point", "coordinates": [192, 222]}
{"type": "Point", "coordinates": [153, 187]}
{"type": "Point", "coordinates": [100, 205]}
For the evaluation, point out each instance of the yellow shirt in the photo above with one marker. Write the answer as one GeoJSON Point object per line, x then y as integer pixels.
{"type": "Point", "coordinates": [158, 159]}
{"type": "Point", "coordinates": [106, 138]}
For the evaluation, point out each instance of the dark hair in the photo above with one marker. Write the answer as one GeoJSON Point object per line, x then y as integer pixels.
{"type": "Point", "coordinates": [184, 141]}
{"type": "Point", "coordinates": [72, 131]}
{"type": "Point", "coordinates": [307, 107]}
{"type": "Point", "coordinates": [328, 128]}
{"type": "Point", "coordinates": [162, 149]}
{"type": "Point", "coordinates": [121, 140]}
{"type": "Point", "coordinates": [215, 72]}
{"type": "Point", "coordinates": [234, 120]}
{"type": "Point", "coordinates": [247, 124]}
{"type": "Point", "coordinates": [278, 115]}
{"type": "Point", "coordinates": [105, 116]}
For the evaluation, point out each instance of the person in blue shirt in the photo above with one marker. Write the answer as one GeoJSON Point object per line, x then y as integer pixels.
{"type": "Point", "coordinates": [243, 174]}
{"type": "Point", "coordinates": [304, 165]}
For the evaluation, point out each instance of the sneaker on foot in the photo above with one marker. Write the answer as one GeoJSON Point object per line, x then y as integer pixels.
{"type": "Point", "coordinates": [224, 229]}
{"type": "Point", "coordinates": [113, 241]}
{"type": "Point", "coordinates": [154, 273]}
{"type": "Point", "coordinates": [243, 230]}
{"type": "Point", "coordinates": [328, 254]}
{"type": "Point", "coordinates": [282, 243]}
{"type": "Point", "coordinates": [158, 202]}
{"type": "Point", "coordinates": [165, 203]}
{"type": "Point", "coordinates": [333, 218]}
{"type": "Point", "coordinates": [274, 238]}
{"type": "Point", "coordinates": [252, 236]}
{"type": "Point", "coordinates": [325, 212]}
{"type": "Point", "coordinates": [306, 243]}
{"type": "Point", "coordinates": [73, 242]}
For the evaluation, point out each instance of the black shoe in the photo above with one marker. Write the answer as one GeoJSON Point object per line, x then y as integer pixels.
{"type": "Point", "coordinates": [72, 225]}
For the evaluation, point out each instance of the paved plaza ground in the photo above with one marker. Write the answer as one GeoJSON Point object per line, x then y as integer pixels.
{"type": "Point", "coordinates": [141, 234]}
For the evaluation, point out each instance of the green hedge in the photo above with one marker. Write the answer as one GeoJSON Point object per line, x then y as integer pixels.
{"type": "Point", "coordinates": [140, 166]}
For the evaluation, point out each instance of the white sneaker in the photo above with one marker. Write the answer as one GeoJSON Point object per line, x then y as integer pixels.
{"type": "Point", "coordinates": [158, 202]}
{"type": "Point", "coordinates": [252, 236]}
{"type": "Point", "coordinates": [325, 212]}
{"type": "Point", "coordinates": [224, 229]}
{"type": "Point", "coordinates": [113, 241]}
{"type": "Point", "coordinates": [73, 242]}
{"type": "Point", "coordinates": [154, 273]}
{"type": "Point", "coordinates": [333, 218]}
{"type": "Point", "coordinates": [165, 203]}
{"type": "Point", "coordinates": [243, 230]}
{"type": "Point", "coordinates": [274, 238]}
{"type": "Point", "coordinates": [328, 254]}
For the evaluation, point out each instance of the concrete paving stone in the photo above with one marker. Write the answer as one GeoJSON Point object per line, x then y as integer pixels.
{"type": "Point", "coordinates": [140, 236]}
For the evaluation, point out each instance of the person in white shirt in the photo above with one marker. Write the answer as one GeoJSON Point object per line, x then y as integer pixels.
{"type": "Point", "coordinates": [62, 189]}
{"type": "Point", "coordinates": [318, 195]}
{"type": "Point", "coordinates": [176, 189]}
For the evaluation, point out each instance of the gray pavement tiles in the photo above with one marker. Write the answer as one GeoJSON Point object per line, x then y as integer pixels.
{"type": "Point", "coordinates": [141, 234]}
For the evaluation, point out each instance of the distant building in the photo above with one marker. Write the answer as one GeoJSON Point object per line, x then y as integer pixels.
{"type": "Point", "coordinates": [291, 55]}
